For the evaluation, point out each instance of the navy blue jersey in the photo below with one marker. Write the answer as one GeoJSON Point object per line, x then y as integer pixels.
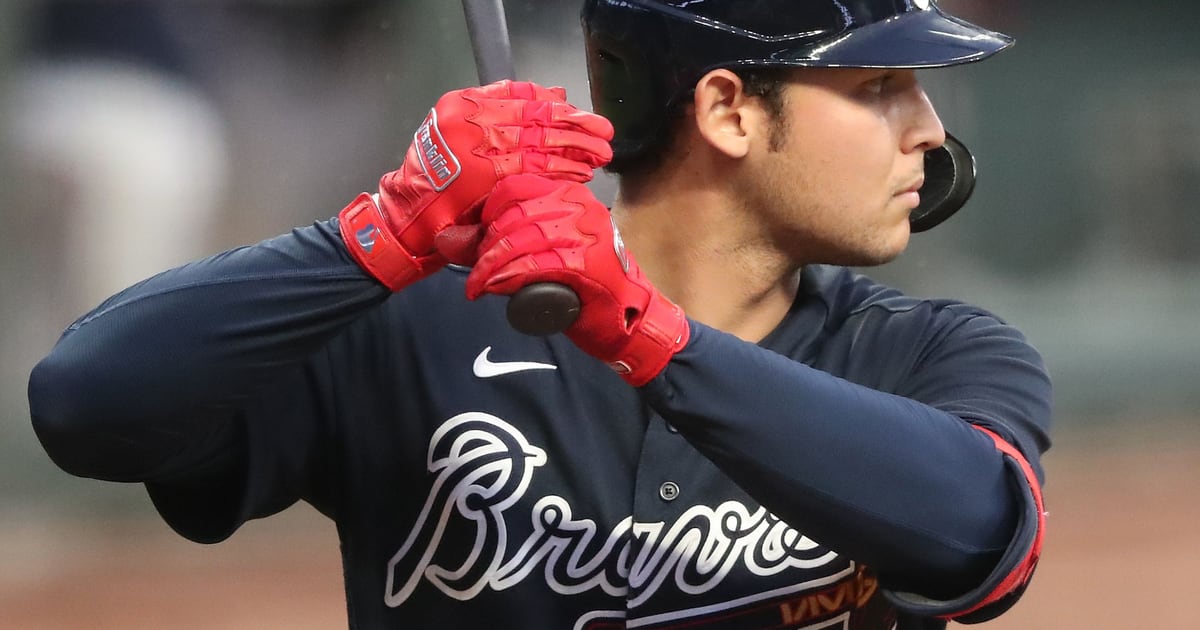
{"type": "Point", "coordinates": [831, 476]}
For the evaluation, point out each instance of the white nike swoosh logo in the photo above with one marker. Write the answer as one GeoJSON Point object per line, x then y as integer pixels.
{"type": "Point", "coordinates": [486, 368]}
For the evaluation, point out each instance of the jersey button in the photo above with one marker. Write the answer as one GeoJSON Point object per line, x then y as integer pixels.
{"type": "Point", "coordinates": [669, 491]}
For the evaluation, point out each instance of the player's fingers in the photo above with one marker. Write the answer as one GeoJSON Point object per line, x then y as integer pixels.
{"type": "Point", "coordinates": [524, 271]}
{"type": "Point", "coordinates": [553, 94]}
{"type": "Point", "coordinates": [496, 89]}
{"type": "Point", "coordinates": [533, 223]}
{"type": "Point", "coordinates": [566, 116]}
{"type": "Point", "coordinates": [557, 167]}
{"type": "Point", "coordinates": [505, 102]}
{"type": "Point", "coordinates": [527, 228]}
{"type": "Point", "coordinates": [550, 166]}
{"type": "Point", "coordinates": [514, 247]}
{"type": "Point", "coordinates": [516, 90]}
{"type": "Point", "coordinates": [504, 121]}
{"type": "Point", "coordinates": [481, 277]}
{"type": "Point", "coordinates": [523, 195]}
{"type": "Point", "coordinates": [530, 91]}
{"type": "Point", "coordinates": [569, 144]}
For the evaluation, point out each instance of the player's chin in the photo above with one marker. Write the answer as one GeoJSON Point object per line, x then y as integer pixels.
{"type": "Point", "coordinates": [895, 231]}
{"type": "Point", "coordinates": [881, 256]}
{"type": "Point", "coordinates": [889, 242]}
{"type": "Point", "coordinates": [883, 248]}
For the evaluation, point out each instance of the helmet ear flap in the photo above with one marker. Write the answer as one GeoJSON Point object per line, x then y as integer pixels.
{"type": "Point", "coordinates": [949, 182]}
{"type": "Point", "coordinates": [625, 90]}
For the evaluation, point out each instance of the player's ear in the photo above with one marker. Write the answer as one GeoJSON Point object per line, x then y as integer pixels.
{"type": "Point", "coordinates": [725, 117]}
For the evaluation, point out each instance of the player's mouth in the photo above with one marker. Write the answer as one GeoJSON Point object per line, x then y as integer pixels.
{"type": "Point", "coordinates": [910, 195]}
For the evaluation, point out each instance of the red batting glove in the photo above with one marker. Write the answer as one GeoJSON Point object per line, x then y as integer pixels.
{"type": "Point", "coordinates": [469, 141]}
{"type": "Point", "coordinates": [540, 230]}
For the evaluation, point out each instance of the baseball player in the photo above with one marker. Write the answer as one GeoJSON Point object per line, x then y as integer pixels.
{"type": "Point", "coordinates": [736, 432]}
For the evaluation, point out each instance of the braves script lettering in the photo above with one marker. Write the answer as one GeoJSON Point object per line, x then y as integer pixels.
{"type": "Point", "coordinates": [484, 465]}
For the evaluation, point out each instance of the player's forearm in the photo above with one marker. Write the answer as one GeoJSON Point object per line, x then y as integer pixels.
{"type": "Point", "coordinates": [160, 368]}
{"type": "Point", "coordinates": [916, 493]}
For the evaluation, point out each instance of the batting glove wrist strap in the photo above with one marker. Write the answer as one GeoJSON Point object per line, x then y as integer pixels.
{"type": "Point", "coordinates": [372, 245]}
{"type": "Point", "coordinates": [662, 332]}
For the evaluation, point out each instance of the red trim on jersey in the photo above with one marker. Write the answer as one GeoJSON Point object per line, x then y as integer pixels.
{"type": "Point", "coordinates": [1020, 574]}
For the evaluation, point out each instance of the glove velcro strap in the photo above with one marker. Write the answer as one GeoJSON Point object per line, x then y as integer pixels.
{"type": "Point", "coordinates": [365, 231]}
{"type": "Point", "coordinates": [662, 332]}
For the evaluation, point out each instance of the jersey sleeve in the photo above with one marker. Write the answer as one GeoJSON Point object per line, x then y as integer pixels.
{"type": "Point", "coordinates": [207, 382]}
{"type": "Point", "coordinates": [982, 370]}
{"type": "Point", "coordinates": [273, 458]}
{"type": "Point", "coordinates": [902, 481]}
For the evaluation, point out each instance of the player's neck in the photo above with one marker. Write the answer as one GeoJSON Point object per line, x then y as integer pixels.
{"type": "Point", "coordinates": [696, 248]}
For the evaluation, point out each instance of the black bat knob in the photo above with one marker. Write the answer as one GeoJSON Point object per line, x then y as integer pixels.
{"type": "Point", "coordinates": [542, 309]}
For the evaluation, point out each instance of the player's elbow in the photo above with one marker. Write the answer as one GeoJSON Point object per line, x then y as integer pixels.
{"type": "Point", "coordinates": [67, 417]}
{"type": "Point", "coordinates": [945, 574]}
{"type": "Point", "coordinates": [980, 576]}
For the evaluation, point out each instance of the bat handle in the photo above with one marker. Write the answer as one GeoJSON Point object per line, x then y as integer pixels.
{"type": "Point", "coordinates": [542, 309]}
{"type": "Point", "coordinates": [488, 28]}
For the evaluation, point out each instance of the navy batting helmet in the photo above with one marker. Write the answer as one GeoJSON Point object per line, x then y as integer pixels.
{"type": "Point", "coordinates": [644, 56]}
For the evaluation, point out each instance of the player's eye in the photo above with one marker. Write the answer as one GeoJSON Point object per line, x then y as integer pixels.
{"type": "Point", "coordinates": [878, 85]}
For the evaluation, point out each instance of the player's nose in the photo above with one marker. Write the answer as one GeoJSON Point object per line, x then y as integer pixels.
{"type": "Point", "coordinates": [923, 130]}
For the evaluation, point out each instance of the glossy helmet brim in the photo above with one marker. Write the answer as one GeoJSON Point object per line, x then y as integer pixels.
{"type": "Point", "coordinates": [917, 39]}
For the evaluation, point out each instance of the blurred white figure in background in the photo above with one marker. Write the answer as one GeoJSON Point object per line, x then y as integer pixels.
{"type": "Point", "coordinates": [102, 112]}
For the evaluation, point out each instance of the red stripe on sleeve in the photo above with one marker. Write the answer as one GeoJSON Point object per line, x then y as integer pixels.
{"type": "Point", "coordinates": [1023, 571]}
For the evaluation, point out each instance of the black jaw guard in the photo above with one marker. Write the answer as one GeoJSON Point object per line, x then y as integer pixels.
{"type": "Point", "coordinates": [949, 182]}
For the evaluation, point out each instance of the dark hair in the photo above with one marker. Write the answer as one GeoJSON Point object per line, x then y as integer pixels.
{"type": "Point", "coordinates": [766, 83]}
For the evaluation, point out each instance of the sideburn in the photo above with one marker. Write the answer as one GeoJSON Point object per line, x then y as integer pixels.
{"type": "Point", "coordinates": [781, 125]}
{"type": "Point", "coordinates": [768, 85]}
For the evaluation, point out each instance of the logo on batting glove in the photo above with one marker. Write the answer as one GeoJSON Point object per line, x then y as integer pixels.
{"type": "Point", "coordinates": [438, 162]}
{"type": "Point", "coordinates": [366, 237]}
{"type": "Point", "coordinates": [619, 246]}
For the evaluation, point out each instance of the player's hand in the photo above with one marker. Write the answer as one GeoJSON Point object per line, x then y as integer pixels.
{"type": "Point", "coordinates": [539, 230]}
{"type": "Point", "coordinates": [469, 141]}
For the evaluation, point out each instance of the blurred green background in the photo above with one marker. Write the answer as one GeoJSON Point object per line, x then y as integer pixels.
{"type": "Point", "coordinates": [139, 135]}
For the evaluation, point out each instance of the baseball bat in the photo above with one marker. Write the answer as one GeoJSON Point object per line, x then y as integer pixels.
{"type": "Point", "coordinates": [542, 308]}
